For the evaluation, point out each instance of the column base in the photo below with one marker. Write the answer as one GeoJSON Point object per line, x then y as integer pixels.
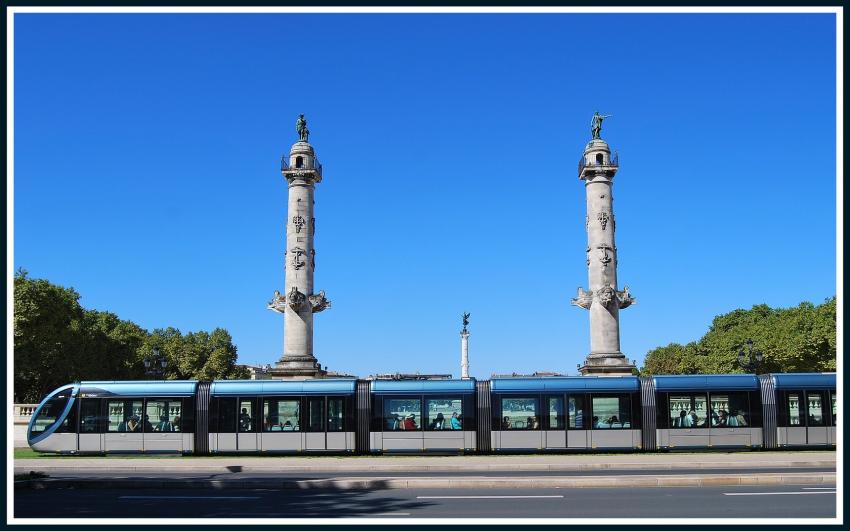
{"type": "Point", "coordinates": [297, 368]}
{"type": "Point", "coordinates": [606, 364]}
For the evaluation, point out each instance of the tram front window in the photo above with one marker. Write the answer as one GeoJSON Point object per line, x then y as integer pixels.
{"type": "Point", "coordinates": [51, 412]}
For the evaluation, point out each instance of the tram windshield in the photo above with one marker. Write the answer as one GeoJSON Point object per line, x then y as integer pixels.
{"type": "Point", "coordinates": [51, 412]}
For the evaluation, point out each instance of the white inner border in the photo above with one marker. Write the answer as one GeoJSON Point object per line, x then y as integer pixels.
{"type": "Point", "coordinates": [839, 129]}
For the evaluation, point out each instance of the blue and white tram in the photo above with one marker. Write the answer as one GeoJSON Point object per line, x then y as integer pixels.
{"type": "Point", "coordinates": [503, 414]}
{"type": "Point", "coordinates": [560, 413]}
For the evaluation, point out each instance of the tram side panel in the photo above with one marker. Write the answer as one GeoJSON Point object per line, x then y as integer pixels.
{"type": "Point", "coordinates": [707, 411]}
{"type": "Point", "coordinates": [423, 416]}
{"type": "Point", "coordinates": [806, 409]}
{"type": "Point", "coordinates": [570, 413]}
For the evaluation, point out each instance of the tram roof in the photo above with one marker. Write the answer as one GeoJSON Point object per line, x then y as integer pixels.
{"type": "Point", "coordinates": [423, 386]}
{"type": "Point", "coordinates": [705, 382]}
{"type": "Point", "coordinates": [282, 387]}
{"type": "Point", "coordinates": [137, 388]}
{"type": "Point", "coordinates": [804, 380]}
{"type": "Point", "coordinates": [567, 383]}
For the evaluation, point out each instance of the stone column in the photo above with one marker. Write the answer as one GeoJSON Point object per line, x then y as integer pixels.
{"type": "Point", "coordinates": [597, 169]}
{"type": "Point", "coordinates": [299, 303]}
{"type": "Point", "coordinates": [464, 354]}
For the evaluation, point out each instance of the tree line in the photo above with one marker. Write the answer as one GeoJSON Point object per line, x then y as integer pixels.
{"type": "Point", "coordinates": [57, 341]}
{"type": "Point", "coordinates": [798, 339]}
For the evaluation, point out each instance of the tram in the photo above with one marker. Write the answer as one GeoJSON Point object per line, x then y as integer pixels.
{"type": "Point", "coordinates": [582, 413]}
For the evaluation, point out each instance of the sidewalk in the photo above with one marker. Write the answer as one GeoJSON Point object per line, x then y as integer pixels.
{"type": "Point", "coordinates": [465, 463]}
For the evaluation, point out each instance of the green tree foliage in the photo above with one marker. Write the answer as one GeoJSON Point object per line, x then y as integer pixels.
{"type": "Point", "coordinates": [799, 339]}
{"type": "Point", "coordinates": [57, 341]}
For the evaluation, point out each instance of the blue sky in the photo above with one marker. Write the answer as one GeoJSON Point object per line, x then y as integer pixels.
{"type": "Point", "coordinates": [147, 153]}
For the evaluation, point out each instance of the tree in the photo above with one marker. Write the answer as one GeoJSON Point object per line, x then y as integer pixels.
{"type": "Point", "coordinates": [799, 339]}
{"type": "Point", "coordinates": [57, 342]}
{"type": "Point", "coordinates": [47, 320]}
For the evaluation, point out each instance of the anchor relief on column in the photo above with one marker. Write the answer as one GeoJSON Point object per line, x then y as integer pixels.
{"type": "Point", "coordinates": [296, 300]}
{"type": "Point", "coordinates": [604, 296]}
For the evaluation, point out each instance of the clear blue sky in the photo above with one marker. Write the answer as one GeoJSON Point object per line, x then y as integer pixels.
{"type": "Point", "coordinates": [147, 153]}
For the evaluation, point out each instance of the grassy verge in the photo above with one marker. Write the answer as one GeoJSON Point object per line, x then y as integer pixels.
{"type": "Point", "coordinates": [28, 453]}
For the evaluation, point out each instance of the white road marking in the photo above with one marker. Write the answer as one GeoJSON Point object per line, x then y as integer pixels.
{"type": "Point", "coordinates": [484, 497]}
{"type": "Point", "coordinates": [772, 493]}
{"type": "Point", "coordinates": [188, 497]}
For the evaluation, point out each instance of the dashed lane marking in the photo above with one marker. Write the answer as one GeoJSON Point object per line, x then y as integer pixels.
{"type": "Point", "coordinates": [188, 497]}
{"type": "Point", "coordinates": [775, 493]}
{"type": "Point", "coordinates": [484, 497]}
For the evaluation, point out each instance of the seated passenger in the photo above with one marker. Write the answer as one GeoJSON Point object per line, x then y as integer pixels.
{"type": "Point", "coordinates": [684, 421]}
{"type": "Point", "coordinates": [715, 419]}
{"type": "Point", "coordinates": [456, 424]}
{"type": "Point", "coordinates": [614, 422]}
{"type": "Point", "coordinates": [694, 419]}
{"type": "Point", "coordinates": [175, 424]}
{"type": "Point", "coordinates": [287, 426]}
{"type": "Point", "coordinates": [164, 425]}
{"type": "Point", "coordinates": [595, 422]}
{"type": "Point", "coordinates": [506, 423]}
{"type": "Point", "coordinates": [437, 423]}
{"type": "Point", "coordinates": [722, 419]}
{"type": "Point", "coordinates": [123, 425]}
{"type": "Point", "coordinates": [410, 422]}
{"type": "Point", "coordinates": [148, 425]}
{"type": "Point", "coordinates": [535, 423]}
{"type": "Point", "coordinates": [133, 424]}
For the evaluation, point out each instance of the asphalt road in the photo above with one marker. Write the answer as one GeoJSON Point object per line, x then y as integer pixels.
{"type": "Point", "coordinates": [683, 502]}
{"type": "Point", "coordinates": [277, 474]}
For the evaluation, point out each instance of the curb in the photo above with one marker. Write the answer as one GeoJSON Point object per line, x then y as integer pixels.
{"type": "Point", "coordinates": [355, 483]}
{"type": "Point", "coordinates": [500, 467]}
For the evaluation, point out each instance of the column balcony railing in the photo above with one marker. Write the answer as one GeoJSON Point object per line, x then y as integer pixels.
{"type": "Point", "coordinates": [614, 160]}
{"type": "Point", "coordinates": [284, 165]}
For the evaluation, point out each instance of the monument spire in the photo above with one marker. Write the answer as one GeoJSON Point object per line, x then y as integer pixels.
{"type": "Point", "coordinates": [597, 168]}
{"type": "Point", "coordinates": [298, 303]}
{"type": "Point", "coordinates": [464, 348]}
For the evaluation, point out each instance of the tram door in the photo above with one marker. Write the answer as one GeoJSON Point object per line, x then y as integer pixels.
{"type": "Point", "coordinates": [124, 426]}
{"type": "Point", "coordinates": [162, 425]}
{"type": "Point", "coordinates": [247, 427]}
{"type": "Point", "coordinates": [315, 438]}
{"type": "Point", "coordinates": [91, 425]}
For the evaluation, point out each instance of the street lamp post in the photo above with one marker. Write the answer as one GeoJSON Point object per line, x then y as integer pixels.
{"type": "Point", "coordinates": [750, 361]}
{"type": "Point", "coordinates": [156, 364]}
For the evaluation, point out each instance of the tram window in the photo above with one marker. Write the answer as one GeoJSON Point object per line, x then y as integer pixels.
{"type": "Point", "coordinates": [611, 412]}
{"type": "Point", "coordinates": [792, 406]}
{"type": "Point", "coordinates": [814, 408]}
{"type": "Point", "coordinates": [124, 416]}
{"type": "Point", "coordinates": [162, 415]}
{"type": "Point", "coordinates": [246, 416]}
{"type": "Point", "coordinates": [226, 415]}
{"type": "Point", "coordinates": [90, 419]}
{"type": "Point", "coordinates": [315, 414]}
{"type": "Point", "coordinates": [336, 414]}
{"type": "Point", "coordinates": [520, 414]}
{"type": "Point", "coordinates": [186, 422]}
{"type": "Point", "coordinates": [729, 410]}
{"type": "Point", "coordinates": [444, 413]}
{"type": "Point", "coordinates": [556, 412]}
{"type": "Point", "coordinates": [281, 414]}
{"type": "Point", "coordinates": [576, 404]}
{"type": "Point", "coordinates": [402, 414]}
{"type": "Point", "coordinates": [50, 413]}
{"type": "Point", "coordinates": [834, 410]}
{"type": "Point", "coordinates": [688, 411]}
